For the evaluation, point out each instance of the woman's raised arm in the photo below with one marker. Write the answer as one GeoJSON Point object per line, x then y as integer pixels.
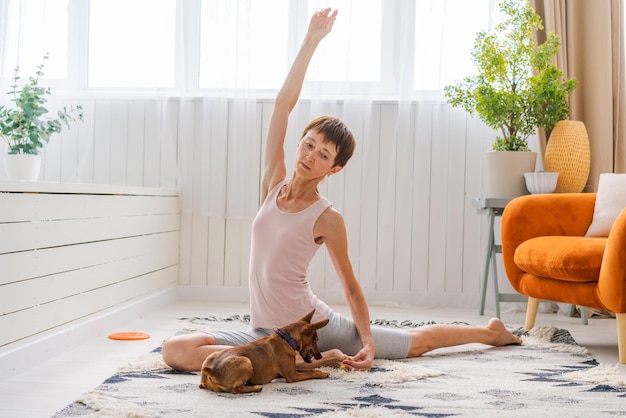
{"type": "Point", "coordinates": [274, 169]}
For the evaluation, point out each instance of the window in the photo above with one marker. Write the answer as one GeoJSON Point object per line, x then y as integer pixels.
{"type": "Point", "coordinates": [232, 37]}
{"type": "Point", "coordinates": [356, 42]}
{"type": "Point", "coordinates": [389, 48]}
{"type": "Point", "coordinates": [33, 28]}
{"type": "Point", "coordinates": [444, 37]}
{"type": "Point", "coordinates": [131, 43]}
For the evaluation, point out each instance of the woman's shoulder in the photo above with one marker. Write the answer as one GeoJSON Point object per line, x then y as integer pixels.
{"type": "Point", "coordinates": [330, 218]}
{"type": "Point", "coordinates": [330, 227]}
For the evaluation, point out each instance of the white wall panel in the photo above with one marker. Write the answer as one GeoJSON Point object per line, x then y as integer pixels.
{"type": "Point", "coordinates": [405, 195]}
{"type": "Point", "coordinates": [403, 210]}
{"type": "Point", "coordinates": [438, 205]}
{"type": "Point", "coordinates": [103, 125]}
{"type": "Point", "coordinates": [366, 259]}
{"type": "Point", "coordinates": [357, 116]}
{"type": "Point", "coordinates": [199, 250]}
{"type": "Point", "coordinates": [136, 132]}
{"type": "Point", "coordinates": [216, 251]}
{"type": "Point", "coordinates": [420, 204]}
{"type": "Point", "coordinates": [119, 142]}
{"type": "Point", "coordinates": [186, 228]}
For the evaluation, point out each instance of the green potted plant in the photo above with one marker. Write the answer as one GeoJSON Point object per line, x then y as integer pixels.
{"type": "Point", "coordinates": [516, 89]}
{"type": "Point", "coordinates": [25, 127]}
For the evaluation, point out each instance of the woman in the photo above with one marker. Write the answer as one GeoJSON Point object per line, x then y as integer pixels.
{"type": "Point", "coordinates": [292, 223]}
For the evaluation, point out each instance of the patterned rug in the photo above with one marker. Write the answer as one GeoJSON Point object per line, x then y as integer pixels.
{"type": "Point", "coordinates": [548, 375]}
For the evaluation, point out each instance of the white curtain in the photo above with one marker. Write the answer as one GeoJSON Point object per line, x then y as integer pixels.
{"type": "Point", "coordinates": [191, 113]}
{"type": "Point", "coordinates": [205, 94]}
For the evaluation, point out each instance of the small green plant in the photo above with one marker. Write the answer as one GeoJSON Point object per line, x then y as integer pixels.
{"type": "Point", "coordinates": [24, 128]}
{"type": "Point", "coordinates": [517, 88]}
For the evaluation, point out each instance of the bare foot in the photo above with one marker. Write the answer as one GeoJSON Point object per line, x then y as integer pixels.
{"type": "Point", "coordinates": [330, 358]}
{"type": "Point", "coordinates": [502, 336]}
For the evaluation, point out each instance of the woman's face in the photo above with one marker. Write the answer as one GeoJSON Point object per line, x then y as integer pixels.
{"type": "Point", "coordinates": [316, 156]}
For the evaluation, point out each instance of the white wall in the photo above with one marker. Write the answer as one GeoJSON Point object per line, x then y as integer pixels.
{"type": "Point", "coordinates": [406, 197]}
{"type": "Point", "coordinates": [406, 194]}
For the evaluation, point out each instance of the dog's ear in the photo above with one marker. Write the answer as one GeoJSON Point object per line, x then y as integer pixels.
{"type": "Point", "coordinates": [309, 316]}
{"type": "Point", "coordinates": [319, 325]}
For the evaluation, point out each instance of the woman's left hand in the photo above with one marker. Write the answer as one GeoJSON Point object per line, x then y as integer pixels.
{"type": "Point", "coordinates": [363, 360]}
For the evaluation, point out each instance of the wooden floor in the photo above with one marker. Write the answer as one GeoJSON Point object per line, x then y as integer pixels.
{"type": "Point", "coordinates": [47, 388]}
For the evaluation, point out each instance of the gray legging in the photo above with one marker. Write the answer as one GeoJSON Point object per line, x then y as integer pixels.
{"type": "Point", "coordinates": [340, 332]}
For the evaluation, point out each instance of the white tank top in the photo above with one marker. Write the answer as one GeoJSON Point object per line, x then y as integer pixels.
{"type": "Point", "coordinates": [281, 250]}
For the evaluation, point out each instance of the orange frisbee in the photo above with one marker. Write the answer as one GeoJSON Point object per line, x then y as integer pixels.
{"type": "Point", "coordinates": [129, 336]}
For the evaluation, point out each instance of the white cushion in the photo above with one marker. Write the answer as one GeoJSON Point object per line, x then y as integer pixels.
{"type": "Point", "coordinates": [610, 200]}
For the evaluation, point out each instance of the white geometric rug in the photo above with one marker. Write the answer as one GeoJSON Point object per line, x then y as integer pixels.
{"type": "Point", "coordinates": [548, 375]}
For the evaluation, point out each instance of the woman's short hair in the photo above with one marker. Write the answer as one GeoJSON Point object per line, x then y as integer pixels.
{"type": "Point", "coordinates": [336, 132]}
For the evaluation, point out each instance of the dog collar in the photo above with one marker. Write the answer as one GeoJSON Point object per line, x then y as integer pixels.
{"type": "Point", "coordinates": [292, 343]}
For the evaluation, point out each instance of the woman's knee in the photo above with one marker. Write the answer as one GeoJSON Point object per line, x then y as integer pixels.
{"type": "Point", "coordinates": [173, 351]}
{"type": "Point", "coordinates": [419, 344]}
{"type": "Point", "coordinates": [179, 352]}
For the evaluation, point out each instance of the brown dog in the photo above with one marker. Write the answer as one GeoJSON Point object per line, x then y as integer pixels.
{"type": "Point", "coordinates": [246, 368]}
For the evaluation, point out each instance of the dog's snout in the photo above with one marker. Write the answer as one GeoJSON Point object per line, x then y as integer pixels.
{"type": "Point", "coordinates": [312, 354]}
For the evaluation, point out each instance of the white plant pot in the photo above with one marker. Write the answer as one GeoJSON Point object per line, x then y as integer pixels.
{"type": "Point", "coordinates": [22, 166]}
{"type": "Point", "coordinates": [504, 173]}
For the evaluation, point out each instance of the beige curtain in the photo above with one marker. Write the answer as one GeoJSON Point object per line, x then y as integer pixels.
{"type": "Point", "coordinates": [592, 51]}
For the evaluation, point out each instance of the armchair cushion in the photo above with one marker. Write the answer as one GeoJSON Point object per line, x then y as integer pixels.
{"type": "Point", "coordinates": [610, 200]}
{"type": "Point", "coordinates": [575, 259]}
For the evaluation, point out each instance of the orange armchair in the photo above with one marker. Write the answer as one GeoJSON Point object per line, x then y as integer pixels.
{"type": "Point", "coordinates": [547, 256]}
